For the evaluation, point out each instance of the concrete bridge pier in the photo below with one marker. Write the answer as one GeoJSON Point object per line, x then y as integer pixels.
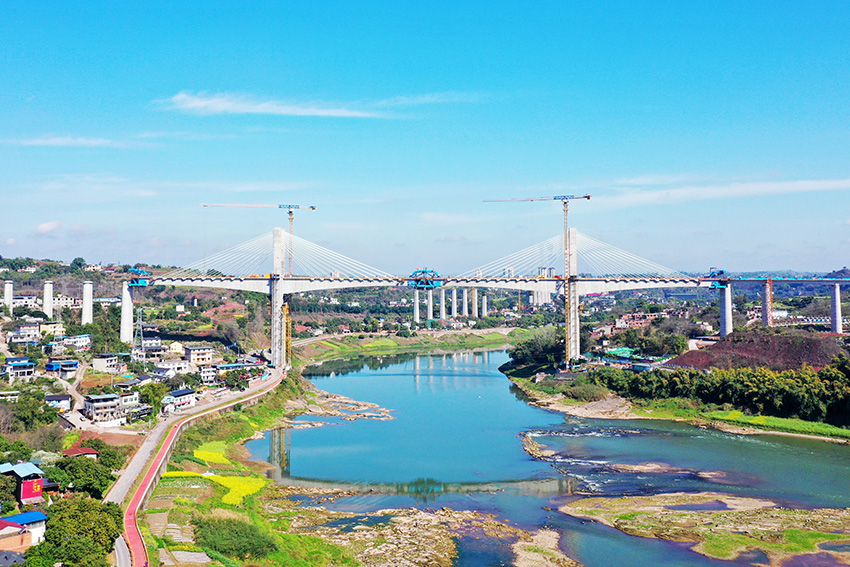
{"type": "Point", "coordinates": [88, 303]}
{"type": "Point", "coordinates": [767, 304]}
{"type": "Point", "coordinates": [8, 293]}
{"type": "Point", "coordinates": [442, 303]}
{"type": "Point", "coordinates": [465, 311]}
{"type": "Point", "coordinates": [475, 303]}
{"type": "Point", "coordinates": [454, 303]}
{"type": "Point", "coordinates": [47, 301]}
{"type": "Point", "coordinates": [484, 310]}
{"type": "Point", "coordinates": [725, 309]}
{"type": "Point", "coordinates": [837, 326]}
{"type": "Point", "coordinates": [430, 304]}
{"type": "Point", "coordinates": [416, 306]}
{"type": "Point", "coordinates": [126, 334]}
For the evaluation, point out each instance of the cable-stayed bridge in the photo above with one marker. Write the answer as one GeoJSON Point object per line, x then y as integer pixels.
{"type": "Point", "coordinates": [281, 264]}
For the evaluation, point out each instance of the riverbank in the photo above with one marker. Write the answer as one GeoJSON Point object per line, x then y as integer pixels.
{"type": "Point", "coordinates": [421, 342]}
{"type": "Point", "coordinates": [727, 527]}
{"type": "Point", "coordinates": [730, 421]}
{"type": "Point", "coordinates": [211, 479]}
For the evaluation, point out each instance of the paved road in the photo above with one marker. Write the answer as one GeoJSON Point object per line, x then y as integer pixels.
{"type": "Point", "coordinates": [137, 553]}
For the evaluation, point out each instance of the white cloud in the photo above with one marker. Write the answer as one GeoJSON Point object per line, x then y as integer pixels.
{"type": "Point", "coordinates": [637, 197]}
{"type": "Point", "coordinates": [196, 136]}
{"type": "Point", "coordinates": [48, 227]}
{"type": "Point", "coordinates": [431, 98]}
{"type": "Point", "coordinates": [71, 142]}
{"type": "Point", "coordinates": [10, 242]}
{"type": "Point", "coordinates": [657, 179]}
{"type": "Point", "coordinates": [226, 103]}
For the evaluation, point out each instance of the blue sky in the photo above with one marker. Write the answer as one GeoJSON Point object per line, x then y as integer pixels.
{"type": "Point", "coordinates": [709, 134]}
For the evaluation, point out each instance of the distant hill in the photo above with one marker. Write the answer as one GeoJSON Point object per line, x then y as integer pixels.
{"type": "Point", "coordinates": [777, 349]}
{"type": "Point", "coordinates": [842, 273]}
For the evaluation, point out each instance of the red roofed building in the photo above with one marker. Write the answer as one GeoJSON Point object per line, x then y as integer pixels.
{"type": "Point", "coordinates": [14, 537]}
{"type": "Point", "coordinates": [81, 452]}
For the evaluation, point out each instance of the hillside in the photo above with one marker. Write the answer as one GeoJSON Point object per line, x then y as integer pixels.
{"type": "Point", "coordinates": [777, 349]}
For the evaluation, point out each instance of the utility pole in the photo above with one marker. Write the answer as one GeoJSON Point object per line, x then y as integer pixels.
{"type": "Point", "coordinates": [289, 208]}
{"type": "Point", "coordinates": [569, 284]}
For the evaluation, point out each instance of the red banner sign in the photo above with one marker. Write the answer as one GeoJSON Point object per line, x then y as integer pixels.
{"type": "Point", "coordinates": [31, 489]}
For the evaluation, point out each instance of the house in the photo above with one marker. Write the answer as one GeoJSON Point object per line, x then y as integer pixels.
{"type": "Point", "coordinates": [62, 300]}
{"type": "Point", "coordinates": [65, 368]}
{"type": "Point", "coordinates": [30, 301]}
{"type": "Point", "coordinates": [29, 480]}
{"type": "Point", "coordinates": [209, 375]}
{"type": "Point", "coordinates": [62, 402]}
{"type": "Point", "coordinates": [55, 328]}
{"type": "Point", "coordinates": [106, 362]}
{"type": "Point", "coordinates": [14, 541]}
{"type": "Point", "coordinates": [177, 366]}
{"type": "Point", "coordinates": [128, 400]}
{"type": "Point", "coordinates": [29, 331]}
{"type": "Point", "coordinates": [148, 342]}
{"type": "Point", "coordinates": [177, 348]}
{"type": "Point", "coordinates": [184, 399]}
{"type": "Point", "coordinates": [53, 347]}
{"type": "Point", "coordinates": [35, 523]}
{"type": "Point", "coordinates": [200, 354]}
{"type": "Point", "coordinates": [79, 342]}
{"type": "Point", "coordinates": [18, 369]}
{"type": "Point", "coordinates": [104, 409]}
{"type": "Point", "coordinates": [86, 452]}
{"type": "Point", "coordinates": [10, 396]}
{"type": "Point", "coordinates": [92, 268]}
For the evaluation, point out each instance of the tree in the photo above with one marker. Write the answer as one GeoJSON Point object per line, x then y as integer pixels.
{"type": "Point", "coordinates": [111, 457]}
{"type": "Point", "coordinates": [80, 532]}
{"type": "Point", "coordinates": [8, 486]}
{"type": "Point", "coordinates": [78, 263]}
{"type": "Point", "coordinates": [87, 475]}
{"type": "Point", "coordinates": [152, 394]}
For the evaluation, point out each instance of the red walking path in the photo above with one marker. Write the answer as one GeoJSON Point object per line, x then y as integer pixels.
{"type": "Point", "coordinates": [132, 534]}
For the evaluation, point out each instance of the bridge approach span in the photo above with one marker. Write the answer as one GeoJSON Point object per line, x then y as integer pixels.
{"type": "Point", "coordinates": [288, 285]}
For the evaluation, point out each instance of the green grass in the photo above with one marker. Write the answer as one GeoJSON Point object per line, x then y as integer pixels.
{"type": "Point", "coordinates": [780, 424]}
{"type": "Point", "coordinates": [70, 438]}
{"type": "Point", "coordinates": [724, 545]}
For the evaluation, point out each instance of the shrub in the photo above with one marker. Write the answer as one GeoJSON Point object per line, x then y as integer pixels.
{"type": "Point", "coordinates": [232, 537]}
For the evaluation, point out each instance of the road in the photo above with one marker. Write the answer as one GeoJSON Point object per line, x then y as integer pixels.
{"type": "Point", "coordinates": [130, 549]}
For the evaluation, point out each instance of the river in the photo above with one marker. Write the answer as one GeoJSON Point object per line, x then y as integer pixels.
{"type": "Point", "coordinates": [455, 442]}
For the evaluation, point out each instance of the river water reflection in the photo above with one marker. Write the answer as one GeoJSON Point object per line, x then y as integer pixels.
{"type": "Point", "coordinates": [455, 442]}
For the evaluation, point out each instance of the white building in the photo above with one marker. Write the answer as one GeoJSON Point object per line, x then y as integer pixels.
{"type": "Point", "coordinates": [209, 375]}
{"type": "Point", "coordinates": [200, 354]}
{"type": "Point", "coordinates": [106, 362]}
{"type": "Point", "coordinates": [105, 410]}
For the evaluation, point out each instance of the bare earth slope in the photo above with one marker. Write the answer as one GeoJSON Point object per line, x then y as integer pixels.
{"type": "Point", "coordinates": [777, 349]}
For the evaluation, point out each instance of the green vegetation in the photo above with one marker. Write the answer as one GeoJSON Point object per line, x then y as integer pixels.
{"type": "Point", "coordinates": [738, 524]}
{"type": "Point", "coordinates": [819, 396]}
{"type": "Point", "coordinates": [80, 532]}
{"type": "Point", "coordinates": [111, 456]}
{"type": "Point", "coordinates": [737, 417]}
{"type": "Point", "coordinates": [232, 537]}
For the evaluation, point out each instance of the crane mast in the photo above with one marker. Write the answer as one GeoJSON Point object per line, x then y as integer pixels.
{"type": "Point", "coordinates": [289, 208]}
{"type": "Point", "coordinates": [570, 295]}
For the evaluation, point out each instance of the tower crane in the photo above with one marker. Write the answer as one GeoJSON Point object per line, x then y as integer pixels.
{"type": "Point", "coordinates": [568, 284]}
{"type": "Point", "coordinates": [289, 209]}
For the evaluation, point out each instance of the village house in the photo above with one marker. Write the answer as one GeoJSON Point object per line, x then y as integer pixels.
{"type": "Point", "coordinates": [104, 409]}
{"type": "Point", "coordinates": [86, 452]}
{"type": "Point", "coordinates": [55, 328]}
{"type": "Point", "coordinates": [200, 354]}
{"type": "Point", "coordinates": [106, 362]}
{"type": "Point", "coordinates": [29, 479]}
{"type": "Point", "coordinates": [18, 368]}
{"type": "Point", "coordinates": [62, 402]}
